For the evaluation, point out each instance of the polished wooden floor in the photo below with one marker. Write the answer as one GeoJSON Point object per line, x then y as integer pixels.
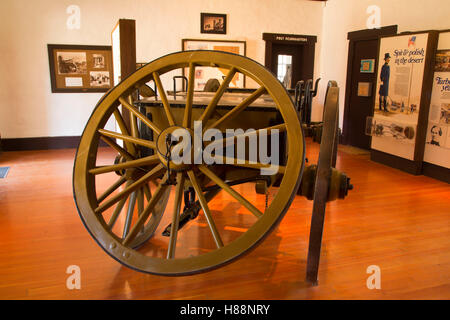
{"type": "Point", "coordinates": [391, 219]}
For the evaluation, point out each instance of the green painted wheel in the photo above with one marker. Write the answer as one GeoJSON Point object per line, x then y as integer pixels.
{"type": "Point", "coordinates": [127, 214]}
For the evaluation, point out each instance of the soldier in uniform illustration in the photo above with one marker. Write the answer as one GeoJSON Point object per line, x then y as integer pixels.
{"type": "Point", "coordinates": [384, 77]}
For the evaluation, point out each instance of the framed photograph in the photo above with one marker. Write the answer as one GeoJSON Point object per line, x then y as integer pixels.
{"type": "Point", "coordinates": [78, 68]}
{"type": "Point", "coordinates": [203, 74]}
{"type": "Point", "coordinates": [213, 23]}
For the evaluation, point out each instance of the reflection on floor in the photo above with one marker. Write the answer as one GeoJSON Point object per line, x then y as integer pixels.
{"type": "Point", "coordinates": [391, 219]}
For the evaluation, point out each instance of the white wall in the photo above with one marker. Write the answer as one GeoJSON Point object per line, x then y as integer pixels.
{"type": "Point", "coordinates": [27, 106]}
{"type": "Point", "coordinates": [343, 16]}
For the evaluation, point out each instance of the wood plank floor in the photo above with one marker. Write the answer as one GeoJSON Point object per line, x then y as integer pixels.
{"type": "Point", "coordinates": [391, 219]}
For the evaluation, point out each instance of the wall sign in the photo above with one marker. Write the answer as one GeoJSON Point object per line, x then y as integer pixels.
{"type": "Point", "coordinates": [289, 38]}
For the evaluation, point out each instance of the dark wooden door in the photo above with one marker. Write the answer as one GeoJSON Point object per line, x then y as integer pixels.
{"type": "Point", "coordinates": [360, 108]}
{"type": "Point", "coordinates": [293, 51]}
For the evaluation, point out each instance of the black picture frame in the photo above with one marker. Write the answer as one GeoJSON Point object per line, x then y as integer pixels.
{"type": "Point", "coordinates": [215, 23]}
{"type": "Point", "coordinates": [80, 68]}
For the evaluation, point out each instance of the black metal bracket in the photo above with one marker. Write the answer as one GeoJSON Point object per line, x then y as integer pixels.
{"type": "Point", "coordinates": [185, 84]}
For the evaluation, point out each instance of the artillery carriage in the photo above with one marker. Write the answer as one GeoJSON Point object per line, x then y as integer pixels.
{"type": "Point", "coordinates": [130, 195]}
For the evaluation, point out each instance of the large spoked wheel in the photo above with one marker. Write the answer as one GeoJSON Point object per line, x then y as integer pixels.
{"type": "Point", "coordinates": [127, 205]}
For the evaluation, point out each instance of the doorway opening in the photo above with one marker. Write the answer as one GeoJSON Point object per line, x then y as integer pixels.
{"type": "Point", "coordinates": [290, 57]}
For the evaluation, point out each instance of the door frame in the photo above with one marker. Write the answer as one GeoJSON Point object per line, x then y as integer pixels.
{"type": "Point", "coordinates": [353, 37]}
{"type": "Point", "coordinates": [307, 42]}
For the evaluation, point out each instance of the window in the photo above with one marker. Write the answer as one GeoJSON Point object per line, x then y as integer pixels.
{"type": "Point", "coordinates": [284, 70]}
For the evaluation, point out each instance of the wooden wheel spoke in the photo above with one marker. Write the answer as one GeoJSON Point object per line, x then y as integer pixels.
{"type": "Point", "coordinates": [228, 189]}
{"type": "Point", "coordinates": [115, 135]}
{"type": "Point", "coordinates": [176, 216]}
{"type": "Point", "coordinates": [239, 108]}
{"type": "Point", "coordinates": [124, 129]}
{"type": "Point", "coordinates": [134, 123]}
{"type": "Point", "coordinates": [111, 189]}
{"type": "Point", "coordinates": [138, 114]}
{"type": "Point", "coordinates": [121, 122]}
{"type": "Point", "coordinates": [108, 203]}
{"type": "Point", "coordinates": [206, 211]}
{"type": "Point", "coordinates": [140, 200]}
{"type": "Point", "coordinates": [130, 212]}
{"type": "Point", "coordinates": [219, 93]}
{"type": "Point", "coordinates": [147, 192]}
{"type": "Point", "coordinates": [118, 209]}
{"type": "Point", "coordinates": [126, 165]}
{"type": "Point", "coordinates": [146, 213]}
{"type": "Point", "coordinates": [189, 97]}
{"type": "Point", "coordinates": [164, 99]}
{"type": "Point", "coordinates": [118, 148]}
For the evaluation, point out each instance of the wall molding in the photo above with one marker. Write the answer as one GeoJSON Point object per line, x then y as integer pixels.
{"type": "Point", "coordinates": [40, 143]}
{"type": "Point", "coordinates": [436, 172]}
{"type": "Point", "coordinates": [409, 166]}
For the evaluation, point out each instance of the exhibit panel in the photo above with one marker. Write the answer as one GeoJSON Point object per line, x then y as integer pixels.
{"type": "Point", "coordinates": [398, 94]}
{"type": "Point", "coordinates": [203, 74]}
{"type": "Point", "coordinates": [437, 148]}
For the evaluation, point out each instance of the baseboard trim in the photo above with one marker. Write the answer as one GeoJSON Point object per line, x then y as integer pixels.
{"type": "Point", "coordinates": [412, 167]}
{"type": "Point", "coordinates": [436, 172]}
{"type": "Point", "coordinates": [40, 143]}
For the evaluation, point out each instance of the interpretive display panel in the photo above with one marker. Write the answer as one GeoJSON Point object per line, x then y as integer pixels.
{"type": "Point", "coordinates": [437, 148]}
{"type": "Point", "coordinates": [203, 74]}
{"type": "Point", "coordinates": [78, 68]}
{"type": "Point", "coordinates": [399, 91]}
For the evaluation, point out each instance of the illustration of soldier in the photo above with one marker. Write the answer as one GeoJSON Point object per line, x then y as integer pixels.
{"type": "Point", "coordinates": [384, 87]}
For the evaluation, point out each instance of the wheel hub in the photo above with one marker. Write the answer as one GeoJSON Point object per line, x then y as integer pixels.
{"type": "Point", "coordinates": [173, 150]}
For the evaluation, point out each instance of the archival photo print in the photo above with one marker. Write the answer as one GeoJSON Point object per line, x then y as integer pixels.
{"type": "Point", "coordinates": [437, 135]}
{"type": "Point", "coordinates": [71, 62]}
{"type": "Point", "coordinates": [445, 114]}
{"type": "Point", "coordinates": [212, 23]}
{"type": "Point", "coordinates": [385, 128]}
{"type": "Point", "coordinates": [98, 61]}
{"type": "Point", "coordinates": [99, 79]}
{"type": "Point", "coordinates": [442, 61]}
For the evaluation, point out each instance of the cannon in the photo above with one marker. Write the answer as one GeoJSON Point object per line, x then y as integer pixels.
{"type": "Point", "coordinates": [147, 190]}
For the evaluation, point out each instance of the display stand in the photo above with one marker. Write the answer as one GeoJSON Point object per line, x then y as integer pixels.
{"type": "Point", "coordinates": [437, 143]}
{"type": "Point", "coordinates": [123, 39]}
{"type": "Point", "coordinates": [401, 106]}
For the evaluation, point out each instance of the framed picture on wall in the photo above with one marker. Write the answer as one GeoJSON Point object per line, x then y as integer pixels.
{"type": "Point", "coordinates": [203, 74]}
{"type": "Point", "coordinates": [79, 68]}
{"type": "Point", "coordinates": [213, 23]}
